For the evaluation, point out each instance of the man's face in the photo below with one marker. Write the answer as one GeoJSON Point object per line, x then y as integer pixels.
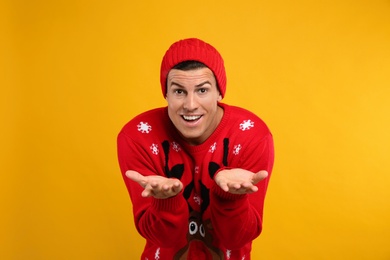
{"type": "Point", "coordinates": [192, 98]}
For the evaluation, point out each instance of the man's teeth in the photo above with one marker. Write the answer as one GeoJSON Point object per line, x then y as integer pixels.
{"type": "Point", "coordinates": [191, 118]}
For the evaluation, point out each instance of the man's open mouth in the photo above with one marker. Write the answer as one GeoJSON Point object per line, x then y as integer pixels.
{"type": "Point", "coordinates": [191, 118]}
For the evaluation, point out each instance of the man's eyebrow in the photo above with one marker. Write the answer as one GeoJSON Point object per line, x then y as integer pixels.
{"type": "Point", "coordinates": [176, 84]}
{"type": "Point", "coordinates": [203, 83]}
{"type": "Point", "coordinates": [197, 86]}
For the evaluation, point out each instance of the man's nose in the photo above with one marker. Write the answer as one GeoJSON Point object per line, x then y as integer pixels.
{"type": "Point", "coordinates": [190, 102]}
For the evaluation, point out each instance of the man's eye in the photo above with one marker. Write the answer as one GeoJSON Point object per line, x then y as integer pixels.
{"type": "Point", "coordinates": [202, 90]}
{"type": "Point", "coordinates": [179, 91]}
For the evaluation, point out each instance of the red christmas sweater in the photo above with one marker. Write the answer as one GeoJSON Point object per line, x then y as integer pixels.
{"type": "Point", "coordinates": [203, 221]}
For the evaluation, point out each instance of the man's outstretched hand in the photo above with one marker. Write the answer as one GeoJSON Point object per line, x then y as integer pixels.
{"type": "Point", "coordinates": [156, 186]}
{"type": "Point", "coordinates": [239, 181]}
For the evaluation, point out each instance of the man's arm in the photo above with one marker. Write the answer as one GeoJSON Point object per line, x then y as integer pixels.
{"type": "Point", "coordinates": [237, 198]}
{"type": "Point", "coordinates": [155, 218]}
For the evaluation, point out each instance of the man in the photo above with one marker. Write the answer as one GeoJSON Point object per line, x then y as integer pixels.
{"type": "Point", "coordinates": [197, 170]}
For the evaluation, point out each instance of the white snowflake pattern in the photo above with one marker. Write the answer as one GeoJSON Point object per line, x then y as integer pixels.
{"type": "Point", "coordinates": [154, 148]}
{"type": "Point", "coordinates": [246, 125]}
{"type": "Point", "coordinates": [144, 127]}
{"type": "Point", "coordinates": [228, 253]}
{"type": "Point", "coordinates": [197, 199]}
{"type": "Point", "coordinates": [243, 258]}
{"type": "Point", "coordinates": [176, 146]}
{"type": "Point", "coordinates": [213, 148]}
{"type": "Point", "coordinates": [236, 149]}
{"type": "Point", "coordinates": [157, 254]}
{"type": "Point", "coordinates": [196, 169]}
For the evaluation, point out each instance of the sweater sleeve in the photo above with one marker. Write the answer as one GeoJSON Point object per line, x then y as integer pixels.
{"type": "Point", "coordinates": [238, 218]}
{"type": "Point", "coordinates": [155, 219]}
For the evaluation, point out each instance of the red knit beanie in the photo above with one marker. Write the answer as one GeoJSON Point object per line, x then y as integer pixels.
{"type": "Point", "coordinates": [193, 49]}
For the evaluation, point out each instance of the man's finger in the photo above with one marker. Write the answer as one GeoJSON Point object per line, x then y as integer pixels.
{"type": "Point", "coordinates": [259, 176]}
{"type": "Point", "coordinates": [224, 186]}
{"type": "Point", "coordinates": [135, 176]}
{"type": "Point", "coordinates": [146, 193]}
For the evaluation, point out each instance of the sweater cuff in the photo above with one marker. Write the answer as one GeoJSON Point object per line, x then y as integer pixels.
{"type": "Point", "coordinates": [171, 204]}
{"type": "Point", "coordinates": [226, 196]}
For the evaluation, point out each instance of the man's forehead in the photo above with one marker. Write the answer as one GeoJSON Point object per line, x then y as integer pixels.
{"type": "Point", "coordinates": [190, 74]}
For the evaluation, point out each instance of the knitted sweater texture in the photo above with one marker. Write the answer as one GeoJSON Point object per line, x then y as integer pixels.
{"type": "Point", "coordinates": [203, 221]}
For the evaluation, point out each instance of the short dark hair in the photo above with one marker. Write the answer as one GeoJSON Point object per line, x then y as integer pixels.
{"type": "Point", "coordinates": [189, 65]}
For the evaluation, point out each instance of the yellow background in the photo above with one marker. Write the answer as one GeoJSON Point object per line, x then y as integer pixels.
{"type": "Point", "coordinates": [73, 72]}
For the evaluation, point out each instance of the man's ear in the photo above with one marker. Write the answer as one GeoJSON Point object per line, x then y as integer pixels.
{"type": "Point", "coordinates": [219, 97]}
